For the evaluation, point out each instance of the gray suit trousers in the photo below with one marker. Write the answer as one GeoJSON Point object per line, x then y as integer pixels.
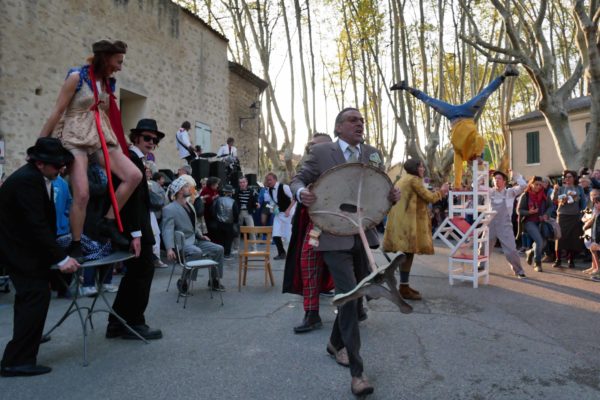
{"type": "Point", "coordinates": [345, 332]}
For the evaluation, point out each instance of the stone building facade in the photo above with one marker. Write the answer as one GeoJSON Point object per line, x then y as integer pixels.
{"type": "Point", "coordinates": [245, 90]}
{"type": "Point", "coordinates": [176, 69]}
{"type": "Point", "coordinates": [533, 151]}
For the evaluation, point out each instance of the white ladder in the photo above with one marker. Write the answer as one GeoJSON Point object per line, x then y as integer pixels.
{"type": "Point", "coordinates": [469, 241]}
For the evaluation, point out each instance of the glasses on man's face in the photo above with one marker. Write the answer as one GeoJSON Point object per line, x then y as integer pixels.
{"type": "Point", "coordinates": [568, 176]}
{"type": "Point", "coordinates": [150, 139]}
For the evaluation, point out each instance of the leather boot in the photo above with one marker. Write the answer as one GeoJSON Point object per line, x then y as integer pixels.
{"type": "Point", "coordinates": [108, 228]}
{"type": "Point", "coordinates": [409, 294]}
{"type": "Point", "coordinates": [361, 313]}
{"type": "Point", "coordinates": [311, 321]}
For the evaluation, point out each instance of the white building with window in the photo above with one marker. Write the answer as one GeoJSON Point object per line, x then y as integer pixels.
{"type": "Point", "coordinates": [533, 151]}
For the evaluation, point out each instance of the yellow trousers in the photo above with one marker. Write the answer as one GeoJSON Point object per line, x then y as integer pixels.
{"type": "Point", "coordinates": [467, 144]}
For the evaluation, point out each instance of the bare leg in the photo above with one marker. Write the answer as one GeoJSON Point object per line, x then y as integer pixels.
{"type": "Point", "coordinates": [81, 194]}
{"type": "Point", "coordinates": [129, 175]}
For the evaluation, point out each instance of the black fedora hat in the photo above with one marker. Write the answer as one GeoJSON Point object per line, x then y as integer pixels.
{"type": "Point", "coordinates": [148, 125]}
{"type": "Point", "coordinates": [50, 151]}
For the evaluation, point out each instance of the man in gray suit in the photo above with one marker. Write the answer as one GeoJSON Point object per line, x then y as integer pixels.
{"type": "Point", "coordinates": [180, 216]}
{"type": "Point", "coordinates": [340, 252]}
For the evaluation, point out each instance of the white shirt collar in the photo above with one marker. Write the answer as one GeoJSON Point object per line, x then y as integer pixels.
{"type": "Point", "coordinates": [137, 151]}
{"type": "Point", "coordinates": [344, 146]}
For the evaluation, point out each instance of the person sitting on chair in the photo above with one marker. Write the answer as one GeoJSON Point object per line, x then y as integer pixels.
{"type": "Point", "coordinates": [180, 216]}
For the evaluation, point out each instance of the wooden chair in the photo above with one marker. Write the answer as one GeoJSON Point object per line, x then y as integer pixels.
{"type": "Point", "coordinates": [250, 254]}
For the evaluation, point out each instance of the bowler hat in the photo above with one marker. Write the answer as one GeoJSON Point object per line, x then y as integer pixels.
{"type": "Point", "coordinates": [105, 46]}
{"type": "Point", "coordinates": [50, 151]}
{"type": "Point", "coordinates": [227, 189]}
{"type": "Point", "coordinates": [148, 125]}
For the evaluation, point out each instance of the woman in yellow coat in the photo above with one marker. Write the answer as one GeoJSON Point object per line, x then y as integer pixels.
{"type": "Point", "coordinates": [408, 226]}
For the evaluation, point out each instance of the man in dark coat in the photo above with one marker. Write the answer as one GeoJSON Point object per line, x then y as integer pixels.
{"type": "Point", "coordinates": [134, 290]}
{"type": "Point", "coordinates": [343, 255]}
{"type": "Point", "coordinates": [28, 248]}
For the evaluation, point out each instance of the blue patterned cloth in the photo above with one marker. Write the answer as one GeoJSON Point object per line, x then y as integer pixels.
{"type": "Point", "coordinates": [84, 76]}
{"type": "Point", "coordinates": [91, 249]}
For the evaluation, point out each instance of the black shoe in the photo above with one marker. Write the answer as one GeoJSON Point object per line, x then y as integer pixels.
{"type": "Point", "coordinates": [402, 85]}
{"type": "Point", "coordinates": [279, 256]}
{"type": "Point", "coordinates": [311, 321]}
{"type": "Point", "coordinates": [557, 264]}
{"type": "Point", "coordinates": [216, 286]}
{"type": "Point", "coordinates": [520, 275]}
{"type": "Point", "coordinates": [25, 370]}
{"type": "Point", "coordinates": [114, 330]}
{"type": "Point", "coordinates": [530, 255]}
{"type": "Point", "coordinates": [144, 330]}
{"type": "Point", "coordinates": [182, 286]}
{"type": "Point", "coordinates": [571, 264]}
{"type": "Point", "coordinates": [511, 70]}
{"type": "Point", "coordinates": [538, 267]}
{"type": "Point", "coordinates": [108, 228]}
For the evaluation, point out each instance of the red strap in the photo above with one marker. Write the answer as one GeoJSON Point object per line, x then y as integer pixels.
{"type": "Point", "coordinates": [111, 188]}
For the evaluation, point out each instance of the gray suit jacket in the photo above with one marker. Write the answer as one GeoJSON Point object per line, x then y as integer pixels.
{"type": "Point", "coordinates": [322, 157]}
{"type": "Point", "coordinates": [175, 218]}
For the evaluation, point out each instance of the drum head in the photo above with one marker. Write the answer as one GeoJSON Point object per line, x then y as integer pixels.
{"type": "Point", "coordinates": [345, 190]}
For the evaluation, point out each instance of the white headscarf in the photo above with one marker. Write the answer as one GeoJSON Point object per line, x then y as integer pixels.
{"type": "Point", "coordinates": [179, 184]}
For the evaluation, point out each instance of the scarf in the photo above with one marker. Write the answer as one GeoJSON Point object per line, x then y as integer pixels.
{"type": "Point", "coordinates": [115, 122]}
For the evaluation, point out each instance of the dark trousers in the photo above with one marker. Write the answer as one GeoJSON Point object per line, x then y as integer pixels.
{"type": "Point", "coordinates": [225, 234]}
{"type": "Point", "coordinates": [345, 332]}
{"type": "Point", "coordinates": [279, 245]}
{"type": "Point", "coordinates": [32, 299]}
{"type": "Point", "coordinates": [134, 290]}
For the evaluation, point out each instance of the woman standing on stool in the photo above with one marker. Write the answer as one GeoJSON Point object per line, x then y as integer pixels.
{"type": "Point", "coordinates": [74, 122]}
{"type": "Point", "coordinates": [408, 226]}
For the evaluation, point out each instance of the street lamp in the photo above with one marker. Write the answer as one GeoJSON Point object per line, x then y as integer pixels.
{"type": "Point", "coordinates": [254, 110]}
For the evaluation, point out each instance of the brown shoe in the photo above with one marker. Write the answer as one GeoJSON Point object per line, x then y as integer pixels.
{"type": "Point", "coordinates": [408, 293]}
{"type": "Point", "coordinates": [361, 386]}
{"type": "Point", "coordinates": [341, 355]}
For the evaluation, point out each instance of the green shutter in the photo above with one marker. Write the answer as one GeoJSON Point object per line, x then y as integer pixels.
{"type": "Point", "coordinates": [533, 147]}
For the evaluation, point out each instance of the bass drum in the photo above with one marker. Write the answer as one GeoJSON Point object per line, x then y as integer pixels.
{"type": "Point", "coordinates": [344, 190]}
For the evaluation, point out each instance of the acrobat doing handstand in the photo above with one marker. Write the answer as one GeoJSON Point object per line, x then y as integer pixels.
{"type": "Point", "coordinates": [468, 144]}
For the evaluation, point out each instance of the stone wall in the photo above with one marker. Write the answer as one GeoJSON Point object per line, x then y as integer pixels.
{"type": "Point", "coordinates": [176, 67]}
{"type": "Point", "coordinates": [244, 91]}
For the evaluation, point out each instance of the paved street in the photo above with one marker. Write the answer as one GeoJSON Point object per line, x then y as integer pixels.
{"type": "Point", "coordinates": [513, 339]}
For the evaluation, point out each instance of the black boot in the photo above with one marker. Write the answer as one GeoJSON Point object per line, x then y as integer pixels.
{"type": "Point", "coordinates": [311, 321]}
{"type": "Point", "coordinates": [360, 309]}
{"type": "Point", "coordinates": [400, 86]}
{"type": "Point", "coordinates": [108, 228]}
{"type": "Point", "coordinates": [75, 251]}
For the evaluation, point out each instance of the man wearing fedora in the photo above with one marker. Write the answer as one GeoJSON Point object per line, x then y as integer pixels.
{"type": "Point", "coordinates": [134, 290]}
{"type": "Point", "coordinates": [28, 221]}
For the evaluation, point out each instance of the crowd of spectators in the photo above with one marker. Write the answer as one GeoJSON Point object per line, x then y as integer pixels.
{"type": "Point", "coordinates": [554, 220]}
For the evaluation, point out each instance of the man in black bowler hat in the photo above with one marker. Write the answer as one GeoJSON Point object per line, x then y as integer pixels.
{"type": "Point", "coordinates": [28, 248]}
{"type": "Point", "coordinates": [134, 290]}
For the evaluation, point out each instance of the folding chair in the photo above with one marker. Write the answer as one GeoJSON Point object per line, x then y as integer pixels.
{"type": "Point", "coordinates": [262, 257]}
{"type": "Point", "coordinates": [189, 267]}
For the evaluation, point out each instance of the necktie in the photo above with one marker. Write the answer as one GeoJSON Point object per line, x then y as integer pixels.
{"type": "Point", "coordinates": [353, 157]}
{"type": "Point", "coordinates": [271, 194]}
